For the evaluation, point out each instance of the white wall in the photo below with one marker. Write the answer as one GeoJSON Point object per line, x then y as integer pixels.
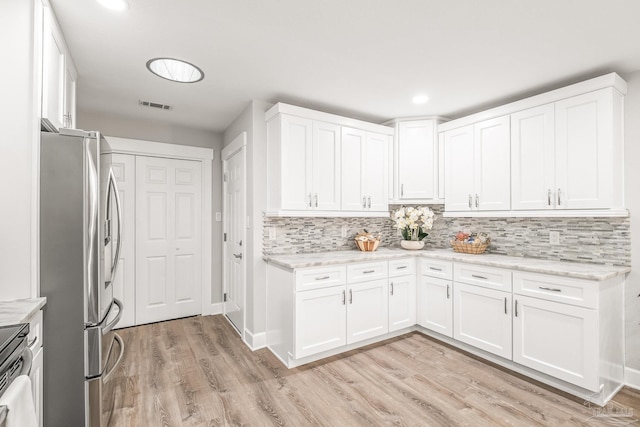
{"type": "Point", "coordinates": [251, 120]}
{"type": "Point", "coordinates": [632, 202]}
{"type": "Point", "coordinates": [18, 152]}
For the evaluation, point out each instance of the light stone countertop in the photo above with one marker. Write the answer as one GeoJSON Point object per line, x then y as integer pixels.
{"type": "Point", "coordinates": [558, 268]}
{"type": "Point", "coordinates": [19, 311]}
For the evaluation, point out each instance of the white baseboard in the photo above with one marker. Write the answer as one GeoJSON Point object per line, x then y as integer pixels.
{"type": "Point", "coordinates": [215, 308]}
{"type": "Point", "coordinates": [255, 341]}
{"type": "Point", "coordinates": [632, 377]}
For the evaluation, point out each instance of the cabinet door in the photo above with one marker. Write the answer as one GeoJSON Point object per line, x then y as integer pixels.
{"type": "Point", "coordinates": [492, 171]}
{"type": "Point", "coordinates": [352, 162]}
{"type": "Point", "coordinates": [402, 302]}
{"type": "Point", "coordinates": [435, 305]}
{"type": "Point", "coordinates": [558, 339]}
{"type": "Point", "coordinates": [482, 318]}
{"type": "Point", "coordinates": [36, 377]}
{"type": "Point", "coordinates": [584, 151]}
{"type": "Point", "coordinates": [326, 166]}
{"type": "Point", "coordinates": [459, 169]}
{"type": "Point", "coordinates": [417, 162]}
{"type": "Point", "coordinates": [321, 319]}
{"type": "Point", "coordinates": [367, 310]}
{"type": "Point", "coordinates": [533, 158]}
{"type": "Point", "coordinates": [69, 110]}
{"type": "Point", "coordinates": [376, 172]}
{"type": "Point", "coordinates": [296, 152]}
{"type": "Point", "coordinates": [124, 170]}
{"type": "Point", "coordinates": [53, 74]}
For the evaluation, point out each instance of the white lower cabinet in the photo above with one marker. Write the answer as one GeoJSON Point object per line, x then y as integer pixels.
{"type": "Point", "coordinates": [558, 339]}
{"type": "Point", "coordinates": [36, 377]}
{"type": "Point", "coordinates": [367, 310]}
{"type": "Point", "coordinates": [482, 318]}
{"type": "Point", "coordinates": [402, 302]}
{"type": "Point", "coordinates": [436, 305]}
{"type": "Point", "coordinates": [320, 318]}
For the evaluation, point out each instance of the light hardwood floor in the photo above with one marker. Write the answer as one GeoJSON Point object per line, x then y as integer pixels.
{"type": "Point", "coordinates": [197, 372]}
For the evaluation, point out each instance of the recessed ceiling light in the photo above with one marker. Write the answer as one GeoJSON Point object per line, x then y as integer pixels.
{"type": "Point", "coordinates": [115, 4]}
{"type": "Point", "coordinates": [175, 70]}
{"type": "Point", "coordinates": [420, 99]}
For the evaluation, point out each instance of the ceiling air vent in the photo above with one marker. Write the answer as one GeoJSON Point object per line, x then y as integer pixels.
{"type": "Point", "coordinates": [155, 105]}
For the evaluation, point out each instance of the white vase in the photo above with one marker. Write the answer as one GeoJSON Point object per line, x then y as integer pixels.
{"type": "Point", "coordinates": [412, 245]}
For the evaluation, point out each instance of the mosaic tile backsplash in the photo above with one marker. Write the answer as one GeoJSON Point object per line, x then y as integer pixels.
{"type": "Point", "coordinates": [590, 240]}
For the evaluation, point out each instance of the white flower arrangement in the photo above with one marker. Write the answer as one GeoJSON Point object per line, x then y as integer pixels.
{"type": "Point", "coordinates": [414, 222]}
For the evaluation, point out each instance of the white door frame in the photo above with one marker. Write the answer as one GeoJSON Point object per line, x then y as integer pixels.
{"type": "Point", "coordinates": [238, 144]}
{"type": "Point", "coordinates": [183, 152]}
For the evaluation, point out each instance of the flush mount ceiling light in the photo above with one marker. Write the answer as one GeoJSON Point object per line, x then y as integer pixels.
{"type": "Point", "coordinates": [420, 99]}
{"type": "Point", "coordinates": [114, 4]}
{"type": "Point", "coordinates": [175, 70]}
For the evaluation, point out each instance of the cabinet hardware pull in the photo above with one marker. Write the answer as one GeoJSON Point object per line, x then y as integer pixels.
{"type": "Point", "coordinates": [435, 269]}
{"type": "Point", "coordinates": [391, 288]}
{"type": "Point", "coordinates": [368, 271]}
{"type": "Point", "coordinates": [344, 297]}
{"type": "Point", "coordinates": [559, 201]}
{"type": "Point", "coordinates": [447, 291]}
{"type": "Point", "coordinates": [350, 296]}
{"type": "Point", "coordinates": [505, 305]}
{"type": "Point", "coordinates": [401, 190]}
{"type": "Point", "coordinates": [549, 197]}
{"type": "Point", "coordinates": [30, 343]}
{"type": "Point", "coordinates": [516, 312]}
{"type": "Point", "coordinates": [550, 289]}
{"type": "Point", "coordinates": [323, 278]}
{"type": "Point", "coordinates": [364, 202]}
{"type": "Point", "coordinates": [369, 202]}
{"type": "Point", "coordinates": [470, 201]}
{"type": "Point", "coordinates": [309, 200]}
{"type": "Point", "coordinates": [402, 267]}
{"type": "Point", "coordinates": [477, 201]}
{"type": "Point", "coordinates": [316, 196]}
{"type": "Point", "coordinates": [479, 277]}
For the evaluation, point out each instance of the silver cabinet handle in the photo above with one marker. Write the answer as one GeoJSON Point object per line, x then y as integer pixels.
{"type": "Point", "coordinates": [238, 256]}
{"type": "Point", "coordinates": [350, 296]}
{"type": "Point", "coordinates": [478, 277]}
{"type": "Point", "coordinates": [323, 278]}
{"type": "Point", "coordinates": [369, 202]}
{"type": "Point", "coordinates": [310, 200]}
{"type": "Point", "coordinates": [559, 201]}
{"type": "Point", "coordinates": [549, 197]}
{"type": "Point", "coordinates": [435, 269]}
{"type": "Point", "coordinates": [470, 201]}
{"type": "Point", "coordinates": [505, 305]}
{"type": "Point", "coordinates": [402, 267]}
{"type": "Point", "coordinates": [516, 310]}
{"type": "Point", "coordinates": [368, 271]}
{"type": "Point", "coordinates": [448, 292]}
{"type": "Point", "coordinates": [391, 288]}
{"type": "Point", "coordinates": [550, 289]}
{"type": "Point", "coordinates": [364, 201]}
{"type": "Point", "coordinates": [401, 190]}
{"type": "Point", "coordinates": [344, 297]}
{"type": "Point", "coordinates": [316, 197]}
{"type": "Point", "coordinates": [477, 201]}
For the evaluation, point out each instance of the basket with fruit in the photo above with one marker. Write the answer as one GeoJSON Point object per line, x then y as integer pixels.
{"type": "Point", "coordinates": [473, 243]}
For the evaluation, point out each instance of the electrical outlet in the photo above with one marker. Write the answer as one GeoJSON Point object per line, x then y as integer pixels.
{"type": "Point", "coordinates": [554, 237]}
{"type": "Point", "coordinates": [345, 230]}
{"type": "Point", "coordinates": [218, 216]}
{"type": "Point", "coordinates": [272, 234]}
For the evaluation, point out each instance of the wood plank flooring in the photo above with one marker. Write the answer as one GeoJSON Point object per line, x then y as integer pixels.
{"type": "Point", "coordinates": [197, 372]}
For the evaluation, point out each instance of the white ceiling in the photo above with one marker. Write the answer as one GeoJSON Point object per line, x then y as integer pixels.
{"type": "Point", "coordinates": [361, 58]}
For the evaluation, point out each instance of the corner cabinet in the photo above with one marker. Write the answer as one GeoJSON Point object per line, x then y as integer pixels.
{"type": "Point", "coordinates": [58, 77]}
{"type": "Point", "coordinates": [320, 164]}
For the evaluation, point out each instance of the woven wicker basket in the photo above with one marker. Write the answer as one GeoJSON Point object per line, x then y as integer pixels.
{"type": "Point", "coordinates": [469, 248]}
{"type": "Point", "coordinates": [368, 246]}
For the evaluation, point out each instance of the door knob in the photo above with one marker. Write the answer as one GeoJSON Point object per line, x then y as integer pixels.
{"type": "Point", "coordinates": [238, 256]}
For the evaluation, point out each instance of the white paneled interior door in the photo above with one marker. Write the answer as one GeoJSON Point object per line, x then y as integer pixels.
{"type": "Point", "coordinates": [168, 238]}
{"type": "Point", "coordinates": [234, 229]}
{"type": "Point", "coordinates": [124, 170]}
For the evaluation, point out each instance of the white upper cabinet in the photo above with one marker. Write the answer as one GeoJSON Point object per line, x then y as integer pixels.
{"type": "Point", "coordinates": [317, 166]}
{"type": "Point", "coordinates": [478, 167]}
{"type": "Point", "coordinates": [560, 151]}
{"type": "Point", "coordinates": [58, 77]}
{"type": "Point", "coordinates": [416, 162]}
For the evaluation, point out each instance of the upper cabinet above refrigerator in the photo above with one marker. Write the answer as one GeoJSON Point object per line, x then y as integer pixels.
{"type": "Point", "coordinates": [58, 77]}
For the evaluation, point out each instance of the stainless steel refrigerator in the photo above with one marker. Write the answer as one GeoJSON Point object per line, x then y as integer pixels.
{"type": "Point", "coordinates": [80, 223]}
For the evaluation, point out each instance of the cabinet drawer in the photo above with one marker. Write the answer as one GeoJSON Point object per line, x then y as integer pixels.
{"type": "Point", "coordinates": [324, 277]}
{"type": "Point", "coordinates": [366, 271]}
{"type": "Point", "coordinates": [583, 293]}
{"type": "Point", "coordinates": [487, 277]}
{"type": "Point", "coordinates": [34, 340]}
{"type": "Point", "coordinates": [402, 267]}
{"type": "Point", "coordinates": [436, 268]}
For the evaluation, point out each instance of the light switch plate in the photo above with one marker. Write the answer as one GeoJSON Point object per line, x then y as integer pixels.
{"type": "Point", "coordinates": [218, 216]}
{"type": "Point", "coordinates": [554, 237]}
{"type": "Point", "coordinates": [345, 230]}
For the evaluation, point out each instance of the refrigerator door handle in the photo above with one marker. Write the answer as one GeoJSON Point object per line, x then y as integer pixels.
{"type": "Point", "coordinates": [92, 248]}
{"type": "Point", "coordinates": [106, 328]}
{"type": "Point", "coordinates": [120, 342]}
{"type": "Point", "coordinates": [116, 194]}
